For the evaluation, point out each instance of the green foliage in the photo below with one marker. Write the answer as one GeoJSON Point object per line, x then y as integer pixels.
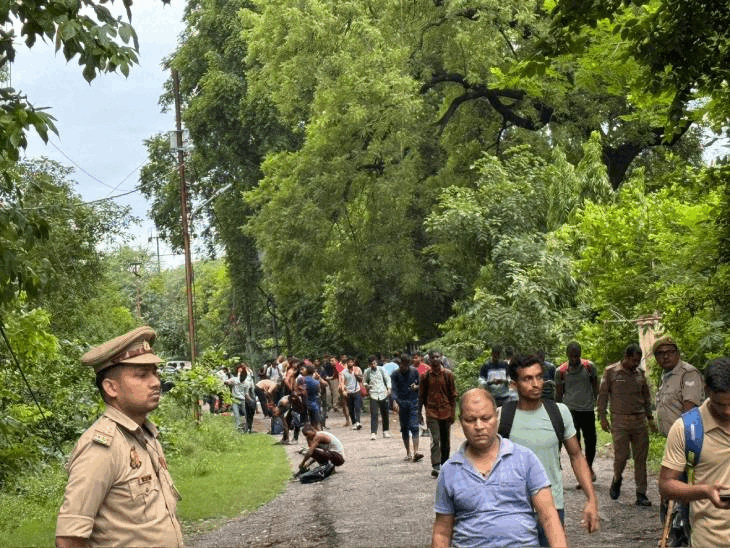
{"type": "Point", "coordinates": [220, 474]}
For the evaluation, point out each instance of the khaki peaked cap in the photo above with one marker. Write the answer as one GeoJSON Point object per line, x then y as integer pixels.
{"type": "Point", "coordinates": [133, 347]}
{"type": "Point", "coordinates": [662, 341]}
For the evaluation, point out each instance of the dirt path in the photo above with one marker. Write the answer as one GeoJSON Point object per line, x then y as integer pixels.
{"type": "Point", "coordinates": [376, 499]}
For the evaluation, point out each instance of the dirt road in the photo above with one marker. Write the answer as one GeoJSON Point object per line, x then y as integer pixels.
{"type": "Point", "coordinates": [376, 499]}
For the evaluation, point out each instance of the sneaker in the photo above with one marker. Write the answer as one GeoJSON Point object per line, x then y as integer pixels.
{"type": "Point", "coordinates": [358, 426]}
{"type": "Point", "coordinates": [354, 426]}
{"type": "Point", "coordinates": [386, 434]}
{"type": "Point", "coordinates": [641, 500]}
{"type": "Point", "coordinates": [417, 457]}
{"type": "Point", "coordinates": [615, 490]}
{"type": "Point", "coordinates": [373, 436]}
{"type": "Point", "coordinates": [435, 472]}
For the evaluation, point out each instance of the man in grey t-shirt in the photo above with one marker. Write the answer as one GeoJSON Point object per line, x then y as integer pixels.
{"type": "Point", "coordinates": [576, 385]}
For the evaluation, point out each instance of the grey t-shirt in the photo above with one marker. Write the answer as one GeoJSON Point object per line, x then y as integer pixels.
{"type": "Point", "coordinates": [577, 389]}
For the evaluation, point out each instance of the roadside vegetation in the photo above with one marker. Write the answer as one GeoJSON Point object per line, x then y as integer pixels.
{"type": "Point", "coordinates": [220, 474]}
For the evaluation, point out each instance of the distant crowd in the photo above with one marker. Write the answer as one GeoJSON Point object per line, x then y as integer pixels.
{"type": "Point", "coordinates": [531, 408]}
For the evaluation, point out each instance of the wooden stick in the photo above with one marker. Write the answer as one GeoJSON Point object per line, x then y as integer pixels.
{"type": "Point", "coordinates": [667, 525]}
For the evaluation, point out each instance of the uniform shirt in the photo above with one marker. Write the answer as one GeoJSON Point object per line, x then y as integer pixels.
{"type": "Point", "coordinates": [438, 394]}
{"type": "Point", "coordinates": [710, 525]}
{"type": "Point", "coordinates": [119, 492]}
{"type": "Point", "coordinates": [534, 430]}
{"type": "Point", "coordinates": [682, 383]}
{"type": "Point", "coordinates": [625, 391]}
{"type": "Point", "coordinates": [378, 383]}
{"type": "Point", "coordinates": [495, 511]}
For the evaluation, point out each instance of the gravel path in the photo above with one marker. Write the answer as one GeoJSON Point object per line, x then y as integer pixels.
{"type": "Point", "coordinates": [376, 499]}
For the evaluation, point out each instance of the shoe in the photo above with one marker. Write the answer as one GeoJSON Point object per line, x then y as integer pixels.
{"type": "Point", "coordinates": [386, 434]}
{"type": "Point", "coordinates": [615, 490]}
{"type": "Point", "coordinates": [358, 426]}
{"type": "Point", "coordinates": [417, 457]}
{"type": "Point", "coordinates": [354, 426]}
{"type": "Point", "coordinates": [434, 472]}
{"type": "Point", "coordinates": [373, 436]}
{"type": "Point", "coordinates": [641, 500]}
{"type": "Point", "coordinates": [408, 457]}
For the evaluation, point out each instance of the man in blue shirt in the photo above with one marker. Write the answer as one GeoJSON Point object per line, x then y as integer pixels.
{"type": "Point", "coordinates": [488, 489]}
{"type": "Point", "coordinates": [404, 382]}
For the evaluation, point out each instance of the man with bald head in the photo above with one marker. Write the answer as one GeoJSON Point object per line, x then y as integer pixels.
{"type": "Point", "coordinates": [488, 489]}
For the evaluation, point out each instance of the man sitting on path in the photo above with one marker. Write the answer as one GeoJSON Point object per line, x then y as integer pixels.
{"type": "Point", "coordinates": [489, 492]}
{"type": "Point", "coordinates": [532, 427]}
{"type": "Point", "coordinates": [323, 448]}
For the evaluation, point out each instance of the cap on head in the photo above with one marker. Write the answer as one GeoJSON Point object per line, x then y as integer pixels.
{"type": "Point", "coordinates": [133, 347]}
{"type": "Point", "coordinates": [662, 341]}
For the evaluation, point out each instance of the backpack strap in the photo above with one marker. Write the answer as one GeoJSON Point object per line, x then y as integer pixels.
{"type": "Point", "coordinates": [507, 417]}
{"type": "Point", "coordinates": [556, 419]}
{"type": "Point", "coordinates": [693, 437]}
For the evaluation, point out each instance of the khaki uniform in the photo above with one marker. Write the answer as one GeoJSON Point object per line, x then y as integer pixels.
{"type": "Point", "coordinates": [710, 525]}
{"type": "Point", "coordinates": [120, 492]}
{"type": "Point", "coordinates": [627, 393]}
{"type": "Point", "coordinates": [683, 383]}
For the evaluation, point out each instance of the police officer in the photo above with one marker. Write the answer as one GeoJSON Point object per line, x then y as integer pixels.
{"type": "Point", "coordinates": [624, 386]}
{"type": "Point", "coordinates": [119, 491]}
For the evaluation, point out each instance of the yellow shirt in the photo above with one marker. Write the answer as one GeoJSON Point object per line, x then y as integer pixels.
{"type": "Point", "coordinates": [710, 525]}
{"type": "Point", "coordinates": [119, 491]}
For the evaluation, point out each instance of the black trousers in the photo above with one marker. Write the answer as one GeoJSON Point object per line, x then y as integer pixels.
{"type": "Point", "coordinates": [585, 423]}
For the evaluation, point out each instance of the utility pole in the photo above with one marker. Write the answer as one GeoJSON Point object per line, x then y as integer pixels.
{"type": "Point", "coordinates": [184, 213]}
{"type": "Point", "coordinates": [157, 238]}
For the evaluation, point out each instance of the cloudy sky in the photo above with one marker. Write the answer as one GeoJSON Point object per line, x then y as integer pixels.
{"type": "Point", "coordinates": [102, 125]}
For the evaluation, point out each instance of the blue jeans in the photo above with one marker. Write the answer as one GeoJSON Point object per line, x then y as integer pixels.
{"type": "Point", "coordinates": [376, 405]}
{"type": "Point", "coordinates": [408, 417]}
{"type": "Point", "coordinates": [354, 403]}
{"type": "Point", "coordinates": [541, 532]}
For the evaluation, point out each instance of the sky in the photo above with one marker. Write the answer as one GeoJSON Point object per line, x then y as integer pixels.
{"type": "Point", "coordinates": [102, 126]}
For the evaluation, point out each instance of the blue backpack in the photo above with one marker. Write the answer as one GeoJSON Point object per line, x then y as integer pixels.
{"type": "Point", "coordinates": [693, 435]}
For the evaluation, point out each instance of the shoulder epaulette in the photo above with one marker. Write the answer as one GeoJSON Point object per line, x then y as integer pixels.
{"type": "Point", "coordinates": [104, 431]}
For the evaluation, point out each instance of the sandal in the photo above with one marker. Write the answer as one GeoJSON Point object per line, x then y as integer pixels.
{"type": "Point", "coordinates": [417, 457]}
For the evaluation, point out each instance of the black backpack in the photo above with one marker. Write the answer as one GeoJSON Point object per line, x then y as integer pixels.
{"type": "Point", "coordinates": [507, 417]}
{"type": "Point", "coordinates": [317, 474]}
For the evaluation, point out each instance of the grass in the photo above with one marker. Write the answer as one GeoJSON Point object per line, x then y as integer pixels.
{"type": "Point", "coordinates": [219, 473]}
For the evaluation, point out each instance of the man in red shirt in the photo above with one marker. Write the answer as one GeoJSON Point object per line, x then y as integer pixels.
{"type": "Point", "coordinates": [438, 395]}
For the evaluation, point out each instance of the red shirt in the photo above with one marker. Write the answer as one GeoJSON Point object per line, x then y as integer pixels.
{"type": "Point", "coordinates": [438, 394]}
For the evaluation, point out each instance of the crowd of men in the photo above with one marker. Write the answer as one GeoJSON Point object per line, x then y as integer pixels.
{"type": "Point", "coordinates": [501, 487]}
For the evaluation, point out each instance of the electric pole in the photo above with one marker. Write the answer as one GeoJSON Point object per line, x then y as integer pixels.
{"type": "Point", "coordinates": [184, 213]}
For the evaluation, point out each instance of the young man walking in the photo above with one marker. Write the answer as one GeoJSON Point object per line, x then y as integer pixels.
{"type": "Point", "coordinates": [532, 427]}
{"type": "Point", "coordinates": [576, 385]}
{"type": "Point", "coordinates": [377, 383]}
{"type": "Point", "coordinates": [405, 381]}
{"type": "Point", "coordinates": [438, 396]}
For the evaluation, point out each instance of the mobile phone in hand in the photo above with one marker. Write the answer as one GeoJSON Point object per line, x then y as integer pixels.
{"type": "Point", "coordinates": [725, 496]}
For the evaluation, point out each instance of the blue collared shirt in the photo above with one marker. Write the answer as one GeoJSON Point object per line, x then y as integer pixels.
{"type": "Point", "coordinates": [495, 511]}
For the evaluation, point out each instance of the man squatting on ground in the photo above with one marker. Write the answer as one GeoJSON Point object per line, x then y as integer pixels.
{"type": "Point", "coordinates": [119, 492]}
{"type": "Point", "coordinates": [490, 490]}
{"type": "Point", "coordinates": [323, 448]}
{"type": "Point", "coordinates": [532, 428]}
